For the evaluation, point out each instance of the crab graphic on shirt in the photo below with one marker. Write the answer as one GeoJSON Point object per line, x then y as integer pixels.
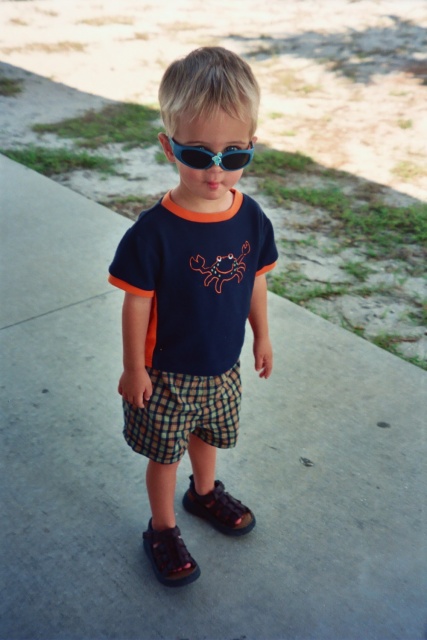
{"type": "Point", "coordinates": [224, 269]}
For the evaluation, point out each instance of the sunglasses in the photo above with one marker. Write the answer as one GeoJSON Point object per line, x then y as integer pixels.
{"type": "Point", "coordinates": [203, 159]}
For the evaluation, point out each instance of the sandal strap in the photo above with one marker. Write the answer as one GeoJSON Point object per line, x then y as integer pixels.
{"type": "Point", "coordinates": [226, 508]}
{"type": "Point", "coordinates": [169, 550]}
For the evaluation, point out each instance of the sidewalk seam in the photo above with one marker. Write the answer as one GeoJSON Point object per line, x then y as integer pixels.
{"type": "Point", "coordinates": [48, 313]}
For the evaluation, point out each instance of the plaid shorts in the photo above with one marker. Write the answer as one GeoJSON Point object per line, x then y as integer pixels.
{"type": "Point", "coordinates": [181, 404]}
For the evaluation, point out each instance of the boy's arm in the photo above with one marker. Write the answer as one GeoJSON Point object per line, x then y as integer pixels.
{"type": "Point", "coordinates": [135, 384]}
{"type": "Point", "coordinates": [263, 351]}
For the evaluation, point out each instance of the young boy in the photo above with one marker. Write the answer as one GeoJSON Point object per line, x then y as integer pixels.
{"type": "Point", "coordinates": [193, 270]}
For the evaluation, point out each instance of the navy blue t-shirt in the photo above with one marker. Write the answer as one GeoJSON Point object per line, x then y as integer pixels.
{"type": "Point", "coordinates": [200, 270]}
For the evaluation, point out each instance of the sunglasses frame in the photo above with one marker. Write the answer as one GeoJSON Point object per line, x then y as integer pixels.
{"type": "Point", "coordinates": [216, 158]}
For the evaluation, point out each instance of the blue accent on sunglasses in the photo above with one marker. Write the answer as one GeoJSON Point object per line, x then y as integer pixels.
{"type": "Point", "coordinates": [198, 158]}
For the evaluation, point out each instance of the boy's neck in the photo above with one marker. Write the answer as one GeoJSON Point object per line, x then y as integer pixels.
{"type": "Point", "coordinates": [201, 205]}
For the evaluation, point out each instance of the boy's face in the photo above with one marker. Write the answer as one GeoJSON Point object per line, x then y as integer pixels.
{"type": "Point", "coordinates": [208, 190]}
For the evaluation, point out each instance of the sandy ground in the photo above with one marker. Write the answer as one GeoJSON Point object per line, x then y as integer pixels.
{"type": "Point", "coordinates": [342, 81]}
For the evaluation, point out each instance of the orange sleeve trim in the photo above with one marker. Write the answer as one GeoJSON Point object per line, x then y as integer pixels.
{"type": "Point", "coordinates": [269, 267]}
{"type": "Point", "coordinates": [121, 284]}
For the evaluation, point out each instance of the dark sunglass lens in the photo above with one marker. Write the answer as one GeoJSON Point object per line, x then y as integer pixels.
{"type": "Point", "coordinates": [236, 161]}
{"type": "Point", "coordinates": [196, 158]}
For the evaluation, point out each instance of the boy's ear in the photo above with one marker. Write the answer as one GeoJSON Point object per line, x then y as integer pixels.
{"type": "Point", "coordinates": [164, 141]}
{"type": "Point", "coordinates": [254, 139]}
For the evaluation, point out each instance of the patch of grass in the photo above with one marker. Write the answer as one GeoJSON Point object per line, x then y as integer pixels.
{"type": "Point", "coordinates": [417, 361]}
{"type": "Point", "coordinates": [331, 199]}
{"type": "Point", "coordinates": [389, 341]}
{"type": "Point", "coordinates": [299, 289]}
{"type": "Point", "coordinates": [18, 22]}
{"type": "Point", "coordinates": [271, 162]}
{"type": "Point", "coordinates": [50, 162]}
{"type": "Point", "coordinates": [354, 218]}
{"type": "Point", "coordinates": [407, 170]}
{"type": "Point", "coordinates": [287, 81]}
{"type": "Point", "coordinates": [177, 26]}
{"type": "Point", "coordinates": [419, 317]}
{"type": "Point", "coordinates": [264, 51]}
{"type": "Point", "coordinates": [357, 330]}
{"type": "Point", "coordinates": [46, 12]}
{"type": "Point", "coordinates": [385, 225]}
{"type": "Point", "coordinates": [10, 87]}
{"type": "Point", "coordinates": [382, 226]}
{"type": "Point", "coordinates": [56, 47]}
{"type": "Point", "coordinates": [131, 206]}
{"type": "Point", "coordinates": [358, 270]}
{"type": "Point", "coordinates": [307, 241]}
{"type": "Point", "coordinates": [376, 290]}
{"type": "Point", "coordinates": [405, 124]}
{"type": "Point", "coordinates": [103, 21]}
{"type": "Point", "coordinates": [347, 69]}
{"type": "Point", "coordinates": [309, 88]}
{"type": "Point", "coordinates": [128, 123]}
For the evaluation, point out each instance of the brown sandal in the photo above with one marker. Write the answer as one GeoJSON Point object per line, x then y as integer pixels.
{"type": "Point", "coordinates": [221, 509]}
{"type": "Point", "coordinates": [168, 554]}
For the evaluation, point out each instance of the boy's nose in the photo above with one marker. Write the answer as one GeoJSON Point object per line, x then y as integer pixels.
{"type": "Point", "coordinates": [214, 169]}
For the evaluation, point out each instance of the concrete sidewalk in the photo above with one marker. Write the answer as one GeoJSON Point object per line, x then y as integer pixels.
{"type": "Point", "coordinates": [339, 552]}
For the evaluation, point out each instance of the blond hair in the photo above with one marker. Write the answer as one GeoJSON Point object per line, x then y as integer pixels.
{"type": "Point", "coordinates": [206, 80]}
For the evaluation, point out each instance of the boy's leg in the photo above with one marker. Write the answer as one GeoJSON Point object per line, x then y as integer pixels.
{"type": "Point", "coordinates": [172, 563]}
{"type": "Point", "coordinates": [161, 484]}
{"type": "Point", "coordinates": [203, 462]}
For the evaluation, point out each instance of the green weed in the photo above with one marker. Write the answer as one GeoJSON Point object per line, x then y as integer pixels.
{"type": "Point", "coordinates": [128, 123]}
{"type": "Point", "coordinates": [385, 225]}
{"type": "Point", "coordinates": [407, 170]}
{"type": "Point", "coordinates": [299, 289]}
{"type": "Point", "coordinates": [54, 161]}
{"type": "Point", "coordinates": [54, 47]}
{"type": "Point", "coordinates": [377, 290]}
{"type": "Point", "coordinates": [331, 199]}
{"type": "Point", "coordinates": [389, 341]}
{"type": "Point", "coordinates": [382, 226]}
{"type": "Point", "coordinates": [277, 163]}
{"type": "Point", "coordinates": [308, 241]}
{"type": "Point", "coordinates": [419, 317]}
{"type": "Point", "coordinates": [417, 361]}
{"type": "Point", "coordinates": [107, 20]}
{"type": "Point", "coordinates": [18, 22]}
{"type": "Point", "coordinates": [358, 270]}
{"type": "Point", "coordinates": [405, 124]}
{"type": "Point", "coordinates": [131, 206]}
{"type": "Point", "coordinates": [10, 87]}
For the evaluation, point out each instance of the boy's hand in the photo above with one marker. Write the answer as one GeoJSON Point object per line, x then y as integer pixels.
{"type": "Point", "coordinates": [263, 353]}
{"type": "Point", "coordinates": [135, 387]}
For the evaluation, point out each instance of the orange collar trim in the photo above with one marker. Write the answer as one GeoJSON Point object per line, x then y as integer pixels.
{"type": "Point", "coordinates": [194, 216]}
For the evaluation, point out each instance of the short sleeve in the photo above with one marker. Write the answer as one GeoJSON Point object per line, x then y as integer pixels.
{"type": "Point", "coordinates": [135, 263]}
{"type": "Point", "coordinates": [268, 253]}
